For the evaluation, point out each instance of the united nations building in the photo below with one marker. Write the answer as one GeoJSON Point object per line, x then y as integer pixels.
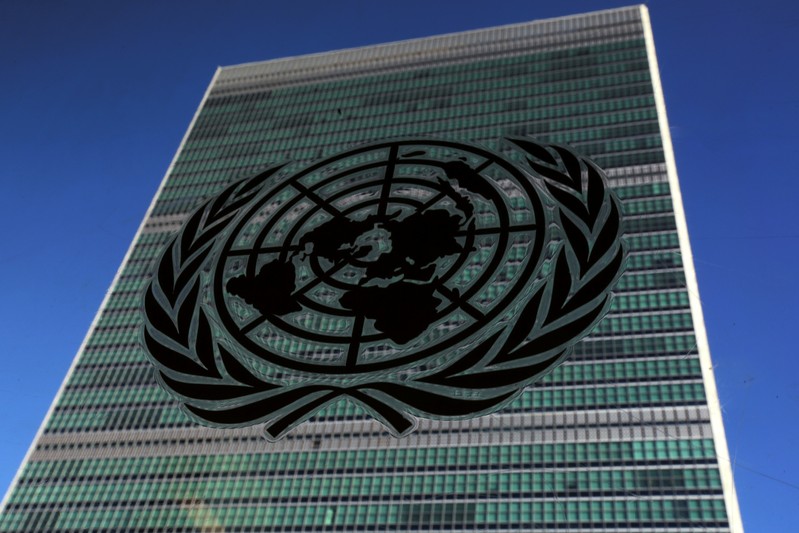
{"type": "Point", "coordinates": [443, 284]}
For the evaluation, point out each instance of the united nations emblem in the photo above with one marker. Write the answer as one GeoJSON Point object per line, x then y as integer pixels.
{"type": "Point", "coordinates": [412, 277]}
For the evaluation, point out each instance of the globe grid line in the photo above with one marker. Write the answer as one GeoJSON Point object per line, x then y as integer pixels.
{"type": "Point", "coordinates": [317, 200]}
{"type": "Point", "coordinates": [388, 177]}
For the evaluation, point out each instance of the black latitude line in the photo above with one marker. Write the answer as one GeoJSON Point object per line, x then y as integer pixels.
{"type": "Point", "coordinates": [488, 231]}
{"type": "Point", "coordinates": [267, 250]}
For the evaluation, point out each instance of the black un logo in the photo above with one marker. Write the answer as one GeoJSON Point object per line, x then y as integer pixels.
{"type": "Point", "coordinates": [413, 277]}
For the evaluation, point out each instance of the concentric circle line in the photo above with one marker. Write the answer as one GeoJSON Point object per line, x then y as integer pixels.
{"type": "Point", "coordinates": [385, 192]}
{"type": "Point", "coordinates": [267, 250]}
{"type": "Point", "coordinates": [489, 231]}
{"type": "Point", "coordinates": [313, 305]}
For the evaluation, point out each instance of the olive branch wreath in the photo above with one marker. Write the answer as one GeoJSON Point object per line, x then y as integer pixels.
{"type": "Point", "coordinates": [215, 387]}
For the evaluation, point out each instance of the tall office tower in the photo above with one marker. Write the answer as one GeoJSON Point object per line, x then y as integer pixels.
{"type": "Point", "coordinates": [626, 435]}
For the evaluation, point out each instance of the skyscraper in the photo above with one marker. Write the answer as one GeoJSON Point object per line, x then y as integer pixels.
{"type": "Point", "coordinates": [626, 435]}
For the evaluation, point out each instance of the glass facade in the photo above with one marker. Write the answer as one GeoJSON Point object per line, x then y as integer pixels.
{"type": "Point", "coordinates": [625, 436]}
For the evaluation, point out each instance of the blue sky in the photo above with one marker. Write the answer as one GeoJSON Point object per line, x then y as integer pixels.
{"type": "Point", "coordinates": [95, 97]}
